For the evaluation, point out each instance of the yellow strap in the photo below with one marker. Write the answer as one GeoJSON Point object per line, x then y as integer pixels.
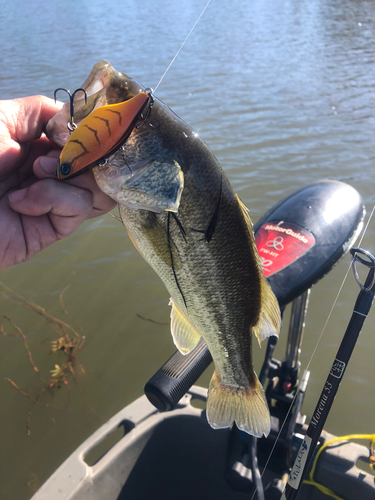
{"type": "Point", "coordinates": [320, 487]}
{"type": "Point", "coordinates": [323, 489]}
{"type": "Point", "coordinates": [341, 438]}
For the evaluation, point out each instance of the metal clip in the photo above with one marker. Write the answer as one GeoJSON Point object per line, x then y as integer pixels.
{"type": "Point", "coordinates": [71, 125]}
{"type": "Point", "coordinates": [355, 251]}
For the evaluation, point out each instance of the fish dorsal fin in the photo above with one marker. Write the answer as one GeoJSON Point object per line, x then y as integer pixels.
{"type": "Point", "coordinates": [185, 336]}
{"type": "Point", "coordinates": [269, 320]}
{"type": "Point", "coordinates": [246, 213]}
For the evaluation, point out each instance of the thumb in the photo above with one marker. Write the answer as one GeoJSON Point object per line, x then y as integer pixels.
{"type": "Point", "coordinates": [67, 206]}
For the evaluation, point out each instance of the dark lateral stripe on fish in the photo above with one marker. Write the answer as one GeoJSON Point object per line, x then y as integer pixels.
{"type": "Point", "coordinates": [210, 231]}
{"type": "Point", "coordinates": [183, 232]}
{"type": "Point", "coordinates": [171, 255]}
{"type": "Point", "coordinates": [212, 225]}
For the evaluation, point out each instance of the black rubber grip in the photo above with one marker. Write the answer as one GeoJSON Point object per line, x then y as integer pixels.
{"type": "Point", "coordinates": [165, 389]}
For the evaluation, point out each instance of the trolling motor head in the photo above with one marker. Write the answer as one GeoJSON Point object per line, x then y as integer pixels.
{"type": "Point", "coordinates": [306, 234]}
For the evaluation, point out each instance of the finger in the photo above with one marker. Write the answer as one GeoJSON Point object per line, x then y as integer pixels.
{"type": "Point", "coordinates": [23, 176]}
{"type": "Point", "coordinates": [31, 115]}
{"type": "Point", "coordinates": [67, 206]}
{"type": "Point", "coordinates": [45, 167]}
{"type": "Point", "coordinates": [23, 121]}
{"type": "Point", "coordinates": [38, 148]}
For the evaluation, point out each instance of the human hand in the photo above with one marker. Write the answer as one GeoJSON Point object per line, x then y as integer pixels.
{"type": "Point", "coordinates": [36, 209]}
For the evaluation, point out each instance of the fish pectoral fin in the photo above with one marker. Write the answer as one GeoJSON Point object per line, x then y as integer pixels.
{"type": "Point", "coordinates": [247, 407]}
{"type": "Point", "coordinates": [157, 237]}
{"type": "Point", "coordinates": [185, 335]}
{"type": "Point", "coordinates": [269, 319]}
{"type": "Point", "coordinates": [161, 241]}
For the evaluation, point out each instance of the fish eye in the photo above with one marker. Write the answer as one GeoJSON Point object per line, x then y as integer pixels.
{"type": "Point", "coordinates": [65, 169]}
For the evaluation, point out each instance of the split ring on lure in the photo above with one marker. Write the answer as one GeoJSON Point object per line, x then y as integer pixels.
{"type": "Point", "coordinates": [100, 134]}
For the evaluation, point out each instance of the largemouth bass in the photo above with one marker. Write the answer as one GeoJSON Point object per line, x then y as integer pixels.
{"type": "Point", "coordinates": [185, 220]}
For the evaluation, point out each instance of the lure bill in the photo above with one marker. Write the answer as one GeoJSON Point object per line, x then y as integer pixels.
{"type": "Point", "coordinates": [183, 217]}
{"type": "Point", "coordinates": [100, 134]}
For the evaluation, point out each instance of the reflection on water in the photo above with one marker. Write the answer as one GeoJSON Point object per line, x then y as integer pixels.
{"type": "Point", "coordinates": [283, 94]}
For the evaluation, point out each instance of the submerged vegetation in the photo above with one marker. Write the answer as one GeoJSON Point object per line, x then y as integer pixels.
{"type": "Point", "coordinates": [67, 344]}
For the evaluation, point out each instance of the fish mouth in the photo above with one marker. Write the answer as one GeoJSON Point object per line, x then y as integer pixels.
{"type": "Point", "coordinates": [104, 85]}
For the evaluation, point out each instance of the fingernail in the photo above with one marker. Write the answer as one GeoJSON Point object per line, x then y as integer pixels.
{"type": "Point", "coordinates": [48, 164]}
{"type": "Point", "coordinates": [17, 196]}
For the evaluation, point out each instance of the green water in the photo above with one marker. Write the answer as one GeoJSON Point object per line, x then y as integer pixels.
{"type": "Point", "coordinates": [283, 93]}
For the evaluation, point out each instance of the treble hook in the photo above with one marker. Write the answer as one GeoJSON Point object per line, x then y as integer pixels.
{"type": "Point", "coordinates": [71, 125]}
{"type": "Point", "coordinates": [151, 103]}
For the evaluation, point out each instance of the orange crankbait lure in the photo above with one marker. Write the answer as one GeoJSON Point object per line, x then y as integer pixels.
{"type": "Point", "coordinates": [99, 135]}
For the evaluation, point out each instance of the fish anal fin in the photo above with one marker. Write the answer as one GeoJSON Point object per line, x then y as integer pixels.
{"type": "Point", "coordinates": [269, 319]}
{"type": "Point", "coordinates": [185, 335]}
{"type": "Point", "coordinates": [247, 407]}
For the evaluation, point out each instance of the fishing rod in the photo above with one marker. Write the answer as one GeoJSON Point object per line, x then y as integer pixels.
{"type": "Point", "coordinates": [361, 309]}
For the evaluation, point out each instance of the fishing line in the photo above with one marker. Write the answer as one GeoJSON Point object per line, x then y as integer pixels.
{"type": "Point", "coordinates": [338, 293]}
{"type": "Point", "coordinates": [183, 43]}
{"type": "Point", "coordinates": [315, 349]}
{"type": "Point", "coordinates": [368, 222]}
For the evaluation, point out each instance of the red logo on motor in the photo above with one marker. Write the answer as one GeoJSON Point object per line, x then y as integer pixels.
{"type": "Point", "coordinates": [281, 243]}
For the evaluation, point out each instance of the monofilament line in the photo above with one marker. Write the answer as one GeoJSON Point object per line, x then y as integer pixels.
{"type": "Point", "coordinates": [314, 351]}
{"type": "Point", "coordinates": [338, 293]}
{"type": "Point", "coordinates": [183, 43]}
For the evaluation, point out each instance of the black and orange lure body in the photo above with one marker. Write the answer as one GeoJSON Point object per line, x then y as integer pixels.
{"type": "Point", "coordinates": [99, 135]}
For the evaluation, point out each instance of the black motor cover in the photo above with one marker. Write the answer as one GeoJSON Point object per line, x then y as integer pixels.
{"type": "Point", "coordinates": [304, 235]}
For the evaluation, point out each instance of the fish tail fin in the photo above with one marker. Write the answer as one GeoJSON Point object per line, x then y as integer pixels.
{"type": "Point", "coordinates": [247, 407]}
